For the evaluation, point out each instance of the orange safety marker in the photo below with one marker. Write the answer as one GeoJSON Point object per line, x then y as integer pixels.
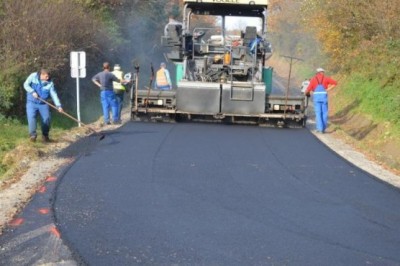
{"type": "Point", "coordinates": [55, 232]}
{"type": "Point", "coordinates": [51, 179]}
{"type": "Point", "coordinates": [44, 211]}
{"type": "Point", "coordinates": [17, 222]}
{"type": "Point", "coordinates": [42, 189]}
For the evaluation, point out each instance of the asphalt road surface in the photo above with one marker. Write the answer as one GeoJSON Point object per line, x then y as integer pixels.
{"type": "Point", "coordinates": [213, 194]}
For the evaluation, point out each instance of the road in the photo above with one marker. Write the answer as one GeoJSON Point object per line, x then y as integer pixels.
{"type": "Point", "coordinates": [212, 194]}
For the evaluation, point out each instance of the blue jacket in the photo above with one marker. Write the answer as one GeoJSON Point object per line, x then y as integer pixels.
{"type": "Point", "coordinates": [44, 89]}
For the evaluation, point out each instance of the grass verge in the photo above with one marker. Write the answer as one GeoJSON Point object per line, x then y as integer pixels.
{"type": "Point", "coordinates": [368, 111]}
{"type": "Point", "coordinates": [15, 144]}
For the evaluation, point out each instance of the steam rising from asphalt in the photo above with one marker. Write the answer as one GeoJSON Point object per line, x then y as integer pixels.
{"type": "Point", "coordinates": [139, 48]}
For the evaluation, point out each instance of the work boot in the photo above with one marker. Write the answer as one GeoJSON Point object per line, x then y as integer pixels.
{"type": "Point", "coordinates": [46, 139]}
{"type": "Point", "coordinates": [32, 138]}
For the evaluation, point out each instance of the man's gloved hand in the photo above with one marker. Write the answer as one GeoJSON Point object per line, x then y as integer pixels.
{"type": "Point", "coordinates": [35, 95]}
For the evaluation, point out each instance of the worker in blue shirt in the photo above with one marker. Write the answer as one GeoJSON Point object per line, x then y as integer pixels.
{"type": "Point", "coordinates": [39, 86]}
{"type": "Point", "coordinates": [104, 80]}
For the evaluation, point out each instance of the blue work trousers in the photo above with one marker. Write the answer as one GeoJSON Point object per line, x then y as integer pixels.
{"type": "Point", "coordinates": [109, 101]}
{"type": "Point", "coordinates": [321, 115]}
{"type": "Point", "coordinates": [32, 109]}
{"type": "Point", "coordinates": [120, 101]}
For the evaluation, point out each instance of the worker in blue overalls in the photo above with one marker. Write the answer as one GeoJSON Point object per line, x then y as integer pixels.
{"type": "Point", "coordinates": [319, 87]}
{"type": "Point", "coordinates": [40, 87]}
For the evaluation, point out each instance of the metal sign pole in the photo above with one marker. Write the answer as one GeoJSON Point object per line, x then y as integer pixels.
{"type": "Point", "coordinates": [78, 109]}
{"type": "Point", "coordinates": [78, 70]}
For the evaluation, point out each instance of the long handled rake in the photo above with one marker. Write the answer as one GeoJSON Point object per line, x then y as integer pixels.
{"type": "Point", "coordinates": [101, 136]}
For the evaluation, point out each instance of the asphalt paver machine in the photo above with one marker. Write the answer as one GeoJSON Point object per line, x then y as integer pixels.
{"type": "Point", "coordinates": [220, 53]}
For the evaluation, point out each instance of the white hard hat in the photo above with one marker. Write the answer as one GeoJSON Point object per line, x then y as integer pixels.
{"type": "Point", "coordinates": [117, 67]}
{"type": "Point", "coordinates": [320, 69]}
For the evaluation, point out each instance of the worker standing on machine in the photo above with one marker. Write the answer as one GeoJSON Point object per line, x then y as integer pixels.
{"type": "Point", "coordinates": [319, 86]}
{"type": "Point", "coordinates": [163, 79]}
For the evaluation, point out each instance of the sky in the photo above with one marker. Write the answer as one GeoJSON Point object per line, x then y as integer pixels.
{"type": "Point", "coordinates": [242, 22]}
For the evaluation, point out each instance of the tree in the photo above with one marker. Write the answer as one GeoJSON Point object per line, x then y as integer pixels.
{"type": "Point", "coordinates": [346, 27]}
{"type": "Point", "coordinates": [40, 34]}
{"type": "Point", "coordinates": [287, 33]}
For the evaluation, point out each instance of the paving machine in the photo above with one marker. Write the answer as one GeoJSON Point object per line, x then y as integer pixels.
{"type": "Point", "coordinates": [221, 71]}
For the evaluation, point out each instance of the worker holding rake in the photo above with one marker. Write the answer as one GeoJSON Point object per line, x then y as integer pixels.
{"type": "Point", "coordinates": [39, 86]}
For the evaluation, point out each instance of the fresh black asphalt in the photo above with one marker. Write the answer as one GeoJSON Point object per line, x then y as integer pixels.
{"type": "Point", "coordinates": [214, 194]}
{"type": "Point", "coordinates": [211, 194]}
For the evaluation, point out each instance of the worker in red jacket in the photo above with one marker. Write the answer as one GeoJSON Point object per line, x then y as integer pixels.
{"type": "Point", "coordinates": [319, 87]}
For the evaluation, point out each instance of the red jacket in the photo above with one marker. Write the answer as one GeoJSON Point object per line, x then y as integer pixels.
{"type": "Point", "coordinates": [318, 78]}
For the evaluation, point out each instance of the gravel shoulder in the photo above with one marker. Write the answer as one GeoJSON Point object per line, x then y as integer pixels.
{"type": "Point", "coordinates": [355, 157]}
{"type": "Point", "coordinates": [16, 192]}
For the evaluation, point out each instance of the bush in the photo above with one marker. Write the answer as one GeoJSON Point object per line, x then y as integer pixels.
{"type": "Point", "coordinates": [10, 92]}
{"type": "Point", "coordinates": [40, 34]}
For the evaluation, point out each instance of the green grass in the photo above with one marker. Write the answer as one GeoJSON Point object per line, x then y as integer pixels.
{"type": "Point", "coordinates": [14, 132]}
{"type": "Point", "coordinates": [382, 103]}
{"type": "Point", "coordinates": [378, 101]}
{"type": "Point", "coordinates": [304, 72]}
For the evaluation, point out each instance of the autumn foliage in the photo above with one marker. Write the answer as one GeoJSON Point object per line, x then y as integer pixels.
{"type": "Point", "coordinates": [38, 34]}
{"type": "Point", "coordinates": [356, 40]}
{"type": "Point", "coordinates": [344, 29]}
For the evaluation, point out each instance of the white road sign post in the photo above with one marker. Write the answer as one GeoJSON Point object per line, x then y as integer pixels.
{"type": "Point", "coordinates": [78, 70]}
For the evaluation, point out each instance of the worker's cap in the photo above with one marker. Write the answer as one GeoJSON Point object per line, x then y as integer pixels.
{"type": "Point", "coordinates": [320, 69]}
{"type": "Point", "coordinates": [117, 67]}
{"type": "Point", "coordinates": [162, 64]}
